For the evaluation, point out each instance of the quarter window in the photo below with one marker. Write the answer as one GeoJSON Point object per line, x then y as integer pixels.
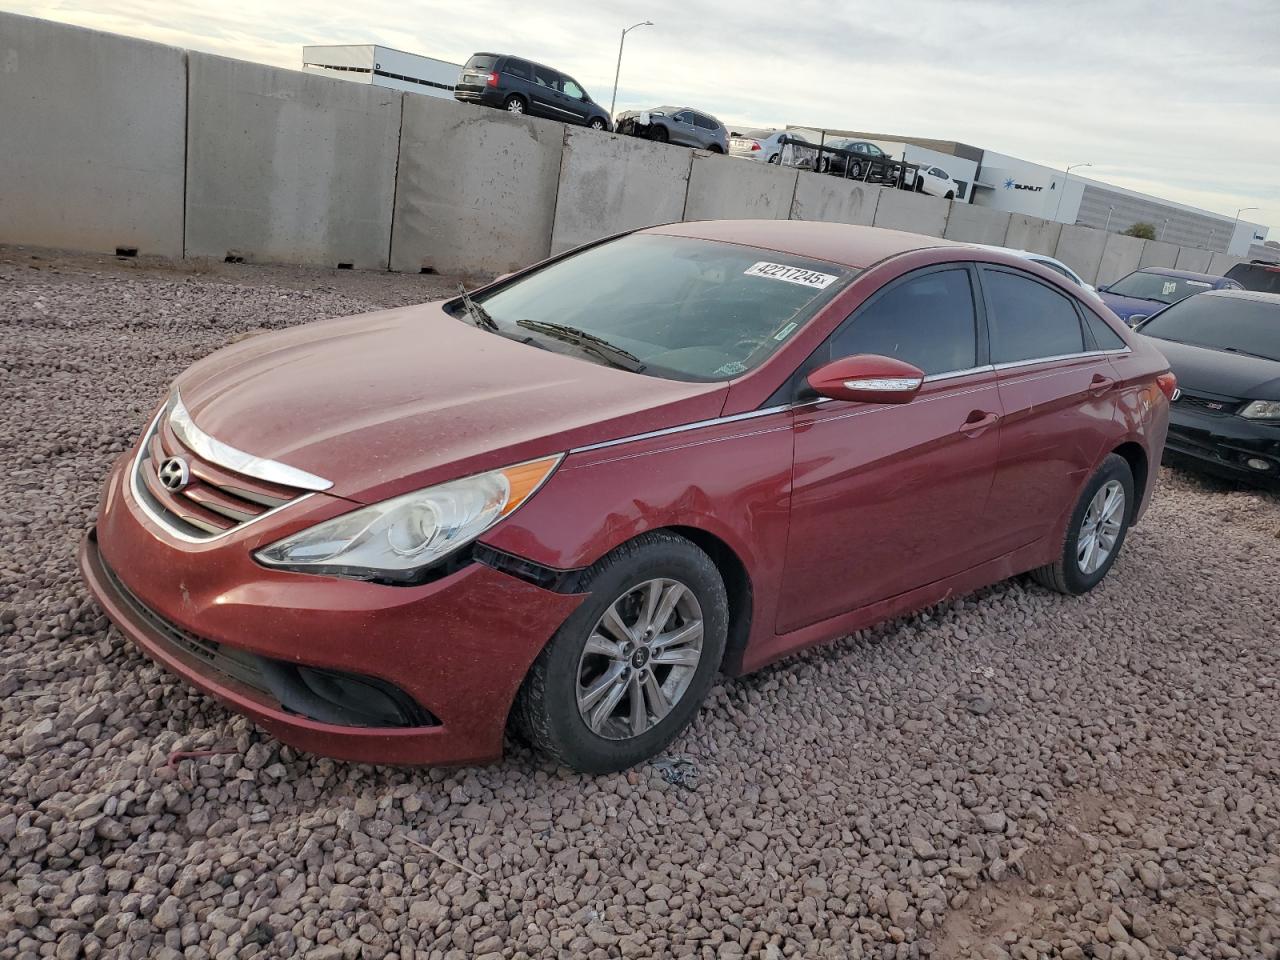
{"type": "Point", "coordinates": [706, 123]}
{"type": "Point", "coordinates": [927, 320]}
{"type": "Point", "coordinates": [518, 68]}
{"type": "Point", "coordinates": [1028, 320]}
{"type": "Point", "coordinates": [1103, 335]}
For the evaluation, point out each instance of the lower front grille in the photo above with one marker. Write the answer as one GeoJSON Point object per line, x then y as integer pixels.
{"type": "Point", "coordinates": [326, 696]}
{"type": "Point", "coordinates": [1210, 405]}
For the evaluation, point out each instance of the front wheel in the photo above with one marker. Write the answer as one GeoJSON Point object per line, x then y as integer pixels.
{"type": "Point", "coordinates": [855, 171]}
{"type": "Point", "coordinates": [628, 670]}
{"type": "Point", "coordinates": [596, 123]}
{"type": "Point", "coordinates": [514, 105]}
{"type": "Point", "coordinates": [1095, 532]}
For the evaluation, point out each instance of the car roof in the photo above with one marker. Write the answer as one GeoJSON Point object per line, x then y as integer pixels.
{"type": "Point", "coordinates": [1181, 274]}
{"type": "Point", "coordinates": [516, 56]}
{"type": "Point", "coordinates": [846, 244]}
{"type": "Point", "coordinates": [1256, 295]}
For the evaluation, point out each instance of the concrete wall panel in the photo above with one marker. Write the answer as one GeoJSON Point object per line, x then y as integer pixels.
{"type": "Point", "coordinates": [287, 166]}
{"type": "Point", "coordinates": [610, 183]}
{"type": "Point", "coordinates": [1120, 257]}
{"type": "Point", "coordinates": [970, 224]}
{"type": "Point", "coordinates": [1190, 258]}
{"type": "Point", "coordinates": [834, 200]}
{"type": "Point", "coordinates": [1157, 254]}
{"type": "Point", "coordinates": [726, 188]}
{"type": "Point", "coordinates": [1222, 262]}
{"type": "Point", "coordinates": [91, 139]}
{"type": "Point", "coordinates": [912, 212]}
{"type": "Point", "coordinates": [1081, 248]}
{"type": "Point", "coordinates": [475, 189]}
{"type": "Point", "coordinates": [1032, 234]}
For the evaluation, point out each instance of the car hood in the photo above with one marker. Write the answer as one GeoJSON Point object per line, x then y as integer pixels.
{"type": "Point", "coordinates": [388, 402]}
{"type": "Point", "coordinates": [1202, 370]}
{"type": "Point", "coordinates": [1126, 307]}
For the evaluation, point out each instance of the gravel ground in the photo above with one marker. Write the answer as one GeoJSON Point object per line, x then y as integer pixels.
{"type": "Point", "coordinates": [1013, 774]}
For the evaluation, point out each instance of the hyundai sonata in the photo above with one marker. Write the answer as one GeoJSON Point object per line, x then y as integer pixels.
{"type": "Point", "coordinates": [562, 503]}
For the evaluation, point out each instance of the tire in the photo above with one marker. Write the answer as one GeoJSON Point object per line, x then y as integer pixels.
{"type": "Point", "coordinates": [549, 710]}
{"type": "Point", "coordinates": [715, 148]}
{"type": "Point", "coordinates": [855, 171]}
{"type": "Point", "coordinates": [919, 185]}
{"type": "Point", "coordinates": [951, 195]}
{"type": "Point", "coordinates": [658, 134]}
{"type": "Point", "coordinates": [515, 105]}
{"type": "Point", "coordinates": [596, 123]}
{"type": "Point", "coordinates": [775, 159]}
{"type": "Point", "coordinates": [1071, 573]}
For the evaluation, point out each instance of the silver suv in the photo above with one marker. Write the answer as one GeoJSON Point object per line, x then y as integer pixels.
{"type": "Point", "coordinates": [682, 125]}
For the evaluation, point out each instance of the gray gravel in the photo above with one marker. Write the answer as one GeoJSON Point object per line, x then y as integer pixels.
{"type": "Point", "coordinates": [1013, 774]}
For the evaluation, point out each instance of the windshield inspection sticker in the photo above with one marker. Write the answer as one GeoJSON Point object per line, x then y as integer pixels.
{"type": "Point", "coordinates": [785, 331]}
{"type": "Point", "coordinates": [780, 271]}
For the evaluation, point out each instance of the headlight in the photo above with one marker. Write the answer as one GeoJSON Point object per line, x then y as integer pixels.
{"type": "Point", "coordinates": [397, 538]}
{"type": "Point", "coordinates": [1262, 410]}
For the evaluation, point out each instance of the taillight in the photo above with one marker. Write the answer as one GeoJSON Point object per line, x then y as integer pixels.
{"type": "Point", "coordinates": [493, 80]}
{"type": "Point", "coordinates": [1167, 383]}
{"type": "Point", "coordinates": [755, 144]}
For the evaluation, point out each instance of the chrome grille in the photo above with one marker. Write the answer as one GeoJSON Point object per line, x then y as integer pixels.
{"type": "Point", "coordinates": [1210, 405]}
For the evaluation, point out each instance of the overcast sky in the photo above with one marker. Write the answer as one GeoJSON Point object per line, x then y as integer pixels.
{"type": "Point", "coordinates": [1178, 98]}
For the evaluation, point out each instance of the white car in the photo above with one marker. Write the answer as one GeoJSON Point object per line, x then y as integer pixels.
{"type": "Point", "coordinates": [764, 146]}
{"type": "Point", "coordinates": [1045, 261]}
{"type": "Point", "coordinates": [936, 182]}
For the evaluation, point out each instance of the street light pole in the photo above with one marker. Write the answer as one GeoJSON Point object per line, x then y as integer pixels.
{"type": "Point", "coordinates": [1164, 228]}
{"type": "Point", "coordinates": [1236, 226]}
{"type": "Point", "coordinates": [618, 70]}
{"type": "Point", "coordinates": [1065, 179]}
{"type": "Point", "coordinates": [1110, 210]}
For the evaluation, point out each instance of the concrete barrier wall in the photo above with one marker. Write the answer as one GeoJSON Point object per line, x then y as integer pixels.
{"type": "Point", "coordinates": [725, 188]}
{"type": "Point", "coordinates": [610, 183]}
{"type": "Point", "coordinates": [1197, 260]}
{"type": "Point", "coordinates": [1220, 263]}
{"type": "Point", "coordinates": [474, 191]}
{"type": "Point", "coordinates": [834, 200]}
{"type": "Point", "coordinates": [1080, 248]}
{"type": "Point", "coordinates": [289, 166]}
{"type": "Point", "coordinates": [1158, 254]}
{"type": "Point", "coordinates": [91, 139]}
{"type": "Point", "coordinates": [1120, 257]}
{"type": "Point", "coordinates": [912, 212]}
{"type": "Point", "coordinates": [971, 224]}
{"type": "Point", "coordinates": [1032, 234]}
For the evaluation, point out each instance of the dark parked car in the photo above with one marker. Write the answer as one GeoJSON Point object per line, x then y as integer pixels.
{"type": "Point", "coordinates": [1260, 275]}
{"type": "Point", "coordinates": [853, 160]}
{"type": "Point", "coordinates": [682, 125]}
{"type": "Point", "coordinates": [522, 86]}
{"type": "Point", "coordinates": [1143, 292]}
{"type": "Point", "coordinates": [567, 501]}
{"type": "Point", "coordinates": [1224, 347]}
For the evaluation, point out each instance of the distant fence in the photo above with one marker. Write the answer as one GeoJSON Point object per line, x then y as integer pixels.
{"type": "Point", "coordinates": [116, 143]}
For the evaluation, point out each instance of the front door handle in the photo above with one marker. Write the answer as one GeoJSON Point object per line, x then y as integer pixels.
{"type": "Point", "coordinates": [1100, 384]}
{"type": "Point", "coordinates": [979, 420]}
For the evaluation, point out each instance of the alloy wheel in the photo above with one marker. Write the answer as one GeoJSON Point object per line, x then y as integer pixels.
{"type": "Point", "coordinates": [1101, 527]}
{"type": "Point", "coordinates": [515, 106]}
{"type": "Point", "coordinates": [640, 659]}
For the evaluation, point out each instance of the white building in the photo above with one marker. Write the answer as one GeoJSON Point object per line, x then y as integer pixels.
{"type": "Point", "coordinates": [383, 67]}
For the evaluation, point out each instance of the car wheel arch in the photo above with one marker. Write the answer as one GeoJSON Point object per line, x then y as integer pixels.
{"type": "Point", "coordinates": [1136, 456]}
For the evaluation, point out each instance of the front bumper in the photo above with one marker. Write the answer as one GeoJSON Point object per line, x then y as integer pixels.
{"type": "Point", "coordinates": [1224, 444]}
{"type": "Point", "coordinates": [459, 646]}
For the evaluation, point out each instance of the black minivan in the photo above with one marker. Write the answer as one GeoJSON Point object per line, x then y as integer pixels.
{"type": "Point", "coordinates": [522, 86]}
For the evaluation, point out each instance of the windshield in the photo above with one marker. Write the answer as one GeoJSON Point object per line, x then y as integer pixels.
{"type": "Point", "coordinates": [1221, 323]}
{"type": "Point", "coordinates": [1158, 287]}
{"type": "Point", "coordinates": [1264, 278]}
{"type": "Point", "coordinates": [685, 308]}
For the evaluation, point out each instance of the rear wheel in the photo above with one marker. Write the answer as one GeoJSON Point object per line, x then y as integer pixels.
{"type": "Point", "coordinates": [514, 105]}
{"type": "Point", "coordinates": [628, 670]}
{"type": "Point", "coordinates": [774, 158]}
{"type": "Point", "coordinates": [1095, 532]}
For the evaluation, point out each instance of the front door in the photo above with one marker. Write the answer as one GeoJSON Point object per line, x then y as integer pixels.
{"type": "Point", "coordinates": [886, 497]}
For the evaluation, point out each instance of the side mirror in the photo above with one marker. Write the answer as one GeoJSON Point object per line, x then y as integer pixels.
{"type": "Point", "coordinates": [867, 378]}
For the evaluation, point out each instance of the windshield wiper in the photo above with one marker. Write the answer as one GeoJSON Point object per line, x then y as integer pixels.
{"type": "Point", "coordinates": [608, 352]}
{"type": "Point", "coordinates": [1247, 353]}
{"type": "Point", "coordinates": [478, 314]}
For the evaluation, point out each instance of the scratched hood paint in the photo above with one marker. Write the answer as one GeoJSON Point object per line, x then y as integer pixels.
{"type": "Point", "coordinates": [389, 402]}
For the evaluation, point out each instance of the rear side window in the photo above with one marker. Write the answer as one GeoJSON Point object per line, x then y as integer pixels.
{"type": "Point", "coordinates": [482, 62]}
{"type": "Point", "coordinates": [518, 68]}
{"type": "Point", "coordinates": [546, 77]}
{"type": "Point", "coordinates": [926, 320]}
{"type": "Point", "coordinates": [1027, 320]}
{"type": "Point", "coordinates": [706, 123]}
{"type": "Point", "coordinates": [1103, 335]}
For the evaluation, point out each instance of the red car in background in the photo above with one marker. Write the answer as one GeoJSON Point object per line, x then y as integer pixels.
{"type": "Point", "coordinates": [563, 503]}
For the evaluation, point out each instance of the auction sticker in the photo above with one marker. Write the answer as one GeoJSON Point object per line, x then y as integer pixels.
{"type": "Point", "coordinates": [780, 271]}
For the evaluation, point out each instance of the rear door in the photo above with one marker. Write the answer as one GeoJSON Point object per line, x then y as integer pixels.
{"type": "Point", "coordinates": [682, 129]}
{"type": "Point", "coordinates": [889, 497]}
{"type": "Point", "coordinates": [545, 98]}
{"type": "Point", "coordinates": [1057, 388]}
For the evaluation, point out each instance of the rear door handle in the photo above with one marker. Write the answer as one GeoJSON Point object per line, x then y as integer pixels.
{"type": "Point", "coordinates": [978, 421]}
{"type": "Point", "coordinates": [1101, 384]}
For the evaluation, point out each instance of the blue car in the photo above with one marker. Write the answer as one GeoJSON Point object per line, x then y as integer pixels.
{"type": "Point", "coordinates": [1143, 292]}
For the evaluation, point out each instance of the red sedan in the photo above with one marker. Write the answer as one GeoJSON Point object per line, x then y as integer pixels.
{"type": "Point", "coordinates": [563, 503]}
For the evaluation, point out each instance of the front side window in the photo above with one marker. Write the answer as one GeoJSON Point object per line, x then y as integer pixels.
{"type": "Point", "coordinates": [1157, 287]}
{"type": "Point", "coordinates": [573, 90]}
{"type": "Point", "coordinates": [684, 116]}
{"type": "Point", "coordinates": [685, 308]}
{"type": "Point", "coordinates": [1027, 320]}
{"type": "Point", "coordinates": [928, 321]}
{"type": "Point", "coordinates": [1232, 324]}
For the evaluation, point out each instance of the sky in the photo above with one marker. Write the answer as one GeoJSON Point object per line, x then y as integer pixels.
{"type": "Point", "coordinates": [1176, 98]}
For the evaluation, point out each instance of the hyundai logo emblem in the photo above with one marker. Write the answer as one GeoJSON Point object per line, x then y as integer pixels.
{"type": "Point", "coordinates": [174, 474]}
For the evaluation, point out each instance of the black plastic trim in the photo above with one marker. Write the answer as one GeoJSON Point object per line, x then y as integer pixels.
{"type": "Point", "coordinates": [548, 578]}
